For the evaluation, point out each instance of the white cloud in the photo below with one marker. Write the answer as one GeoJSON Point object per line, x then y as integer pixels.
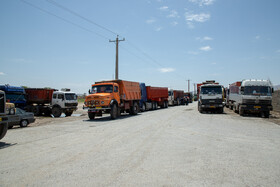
{"type": "Point", "coordinates": [202, 2]}
{"type": "Point", "coordinates": [205, 48]}
{"type": "Point", "coordinates": [173, 14]}
{"type": "Point", "coordinates": [2, 73]}
{"type": "Point", "coordinates": [166, 70]}
{"type": "Point", "coordinates": [202, 17]}
{"type": "Point", "coordinates": [151, 20]}
{"type": "Point", "coordinates": [164, 8]}
{"type": "Point", "coordinates": [205, 38]}
{"type": "Point", "coordinates": [278, 51]}
{"type": "Point", "coordinates": [258, 37]}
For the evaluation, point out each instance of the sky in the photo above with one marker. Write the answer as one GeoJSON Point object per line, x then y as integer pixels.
{"type": "Point", "coordinates": [65, 43]}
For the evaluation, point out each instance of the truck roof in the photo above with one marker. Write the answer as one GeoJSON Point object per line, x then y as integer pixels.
{"type": "Point", "coordinates": [210, 85]}
{"type": "Point", "coordinates": [255, 82]}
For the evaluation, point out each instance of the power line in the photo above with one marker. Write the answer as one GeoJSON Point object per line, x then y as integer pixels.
{"type": "Point", "coordinates": [65, 20]}
{"type": "Point", "coordinates": [80, 16]}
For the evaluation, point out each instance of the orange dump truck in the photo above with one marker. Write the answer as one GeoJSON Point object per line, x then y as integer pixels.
{"type": "Point", "coordinates": [113, 97]}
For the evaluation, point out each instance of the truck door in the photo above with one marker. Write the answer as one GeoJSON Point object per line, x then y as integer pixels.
{"type": "Point", "coordinates": [116, 93]}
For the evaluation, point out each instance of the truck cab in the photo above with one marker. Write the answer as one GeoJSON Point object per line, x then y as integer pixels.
{"type": "Point", "coordinates": [211, 98]}
{"type": "Point", "coordinates": [254, 96]}
{"type": "Point", "coordinates": [170, 97]}
{"type": "Point", "coordinates": [64, 101]}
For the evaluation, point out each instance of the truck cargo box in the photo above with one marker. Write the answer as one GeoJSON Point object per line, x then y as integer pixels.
{"type": "Point", "coordinates": [178, 94]}
{"type": "Point", "coordinates": [128, 90]}
{"type": "Point", "coordinates": [156, 92]}
{"type": "Point", "coordinates": [39, 95]}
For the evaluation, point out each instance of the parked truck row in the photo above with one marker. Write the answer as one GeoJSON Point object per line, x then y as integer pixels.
{"type": "Point", "coordinates": [118, 96]}
{"type": "Point", "coordinates": [42, 101]}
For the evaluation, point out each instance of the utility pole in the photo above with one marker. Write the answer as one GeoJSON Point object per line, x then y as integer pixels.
{"type": "Point", "coordinates": [117, 55]}
{"type": "Point", "coordinates": [188, 85]}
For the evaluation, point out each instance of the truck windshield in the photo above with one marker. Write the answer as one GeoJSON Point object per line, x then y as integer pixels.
{"type": "Point", "coordinates": [257, 90]}
{"type": "Point", "coordinates": [70, 96]}
{"type": "Point", "coordinates": [15, 97]}
{"type": "Point", "coordinates": [169, 93]}
{"type": "Point", "coordinates": [102, 89]}
{"type": "Point", "coordinates": [211, 90]}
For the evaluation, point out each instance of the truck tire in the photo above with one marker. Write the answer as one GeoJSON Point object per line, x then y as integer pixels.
{"type": "Point", "coordinates": [221, 110]}
{"type": "Point", "coordinates": [241, 111]}
{"type": "Point", "coordinates": [68, 113]}
{"type": "Point", "coordinates": [143, 109]}
{"type": "Point", "coordinates": [91, 115]}
{"type": "Point", "coordinates": [166, 104]}
{"type": "Point", "coordinates": [3, 130]}
{"type": "Point", "coordinates": [56, 112]}
{"type": "Point", "coordinates": [114, 111]}
{"type": "Point", "coordinates": [23, 123]}
{"type": "Point", "coordinates": [134, 109]}
{"type": "Point", "coordinates": [156, 106]}
{"type": "Point", "coordinates": [266, 114]}
{"type": "Point", "coordinates": [36, 110]}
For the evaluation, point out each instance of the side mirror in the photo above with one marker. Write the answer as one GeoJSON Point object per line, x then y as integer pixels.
{"type": "Point", "coordinates": [88, 91]}
{"type": "Point", "coordinates": [242, 90]}
{"type": "Point", "coordinates": [272, 90]}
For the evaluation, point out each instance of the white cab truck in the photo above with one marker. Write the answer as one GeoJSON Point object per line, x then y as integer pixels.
{"type": "Point", "coordinates": [51, 101]}
{"type": "Point", "coordinates": [211, 98]}
{"type": "Point", "coordinates": [251, 96]}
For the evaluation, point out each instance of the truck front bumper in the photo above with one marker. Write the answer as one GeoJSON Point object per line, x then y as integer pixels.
{"type": "Point", "coordinates": [214, 105]}
{"type": "Point", "coordinates": [256, 108]}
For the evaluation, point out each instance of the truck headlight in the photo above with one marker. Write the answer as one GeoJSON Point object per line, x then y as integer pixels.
{"type": "Point", "coordinates": [102, 102]}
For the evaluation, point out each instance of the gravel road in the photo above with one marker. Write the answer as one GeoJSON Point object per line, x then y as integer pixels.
{"type": "Point", "coordinates": [177, 146]}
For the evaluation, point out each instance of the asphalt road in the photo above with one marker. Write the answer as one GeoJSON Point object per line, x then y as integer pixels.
{"type": "Point", "coordinates": [168, 147]}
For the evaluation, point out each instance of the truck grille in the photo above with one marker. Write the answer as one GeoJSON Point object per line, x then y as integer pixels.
{"type": "Point", "coordinates": [256, 101]}
{"type": "Point", "coordinates": [211, 101]}
{"type": "Point", "coordinates": [71, 104]}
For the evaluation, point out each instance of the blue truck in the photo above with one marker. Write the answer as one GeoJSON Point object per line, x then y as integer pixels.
{"type": "Point", "coordinates": [15, 94]}
{"type": "Point", "coordinates": [153, 97]}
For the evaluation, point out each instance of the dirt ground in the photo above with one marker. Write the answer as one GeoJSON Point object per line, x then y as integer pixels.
{"type": "Point", "coordinates": [274, 115]}
{"type": "Point", "coordinates": [77, 115]}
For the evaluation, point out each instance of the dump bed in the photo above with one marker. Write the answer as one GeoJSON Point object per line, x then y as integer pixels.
{"type": "Point", "coordinates": [156, 92]}
{"type": "Point", "coordinates": [128, 90]}
{"type": "Point", "coordinates": [178, 94]}
{"type": "Point", "coordinates": [39, 95]}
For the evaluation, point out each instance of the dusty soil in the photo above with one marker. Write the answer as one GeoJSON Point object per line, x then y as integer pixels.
{"type": "Point", "coordinates": [274, 115]}
{"type": "Point", "coordinates": [77, 115]}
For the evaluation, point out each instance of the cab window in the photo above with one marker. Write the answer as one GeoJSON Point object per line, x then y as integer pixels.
{"type": "Point", "coordinates": [116, 89]}
{"type": "Point", "coordinates": [60, 96]}
{"type": "Point", "coordinates": [54, 96]}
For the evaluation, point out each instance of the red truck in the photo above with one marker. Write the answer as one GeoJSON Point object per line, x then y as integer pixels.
{"type": "Point", "coordinates": [152, 97]}
{"type": "Point", "coordinates": [113, 97]}
{"type": "Point", "coordinates": [175, 97]}
{"type": "Point", "coordinates": [50, 101]}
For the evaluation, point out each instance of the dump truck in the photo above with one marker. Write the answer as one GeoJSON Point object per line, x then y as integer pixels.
{"type": "Point", "coordinates": [251, 96]}
{"type": "Point", "coordinates": [113, 97]}
{"type": "Point", "coordinates": [175, 97]}
{"type": "Point", "coordinates": [3, 116]}
{"type": "Point", "coordinates": [152, 97]}
{"type": "Point", "coordinates": [14, 94]}
{"type": "Point", "coordinates": [51, 101]}
{"type": "Point", "coordinates": [210, 96]}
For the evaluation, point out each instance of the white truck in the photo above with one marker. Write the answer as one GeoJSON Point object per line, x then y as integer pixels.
{"type": "Point", "coordinates": [211, 98]}
{"type": "Point", "coordinates": [51, 101]}
{"type": "Point", "coordinates": [254, 96]}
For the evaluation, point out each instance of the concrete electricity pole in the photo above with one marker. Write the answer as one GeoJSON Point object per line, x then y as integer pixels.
{"type": "Point", "coordinates": [188, 85]}
{"type": "Point", "coordinates": [117, 55]}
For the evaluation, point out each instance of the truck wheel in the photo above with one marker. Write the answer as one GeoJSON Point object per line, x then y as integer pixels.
{"type": "Point", "coordinates": [114, 111]}
{"type": "Point", "coordinates": [68, 113]}
{"type": "Point", "coordinates": [3, 130]}
{"type": "Point", "coordinates": [36, 110]}
{"type": "Point", "coordinates": [221, 110]}
{"type": "Point", "coordinates": [241, 111]}
{"type": "Point", "coordinates": [156, 106]}
{"type": "Point", "coordinates": [134, 109]}
{"type": "Point", "coordinates": [266, 114]}
{"type": "Point", "coordinates": [200, 109]}
{"type": "Point", "coordinates": [56, 111]}
{"type": "Point", "coordinates": [91, 115]}
{"type": "Point", "coordinates": [23, 123]}
{"type": "Point", "coordinates": [166, 104]}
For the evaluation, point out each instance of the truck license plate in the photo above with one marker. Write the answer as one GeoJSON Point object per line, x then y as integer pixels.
{"type": "Point", "coordinates": [98, 107]}
{"type": "Point", "coordinates": [257, 106]}
{"type": "Point", "coordinates": [0, 119]}
{"type": "Point", "coordinates": [212, 107]}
